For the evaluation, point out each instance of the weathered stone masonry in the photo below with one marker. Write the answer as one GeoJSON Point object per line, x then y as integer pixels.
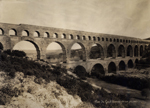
{"type": "Point", "coordinates": [114, 49]}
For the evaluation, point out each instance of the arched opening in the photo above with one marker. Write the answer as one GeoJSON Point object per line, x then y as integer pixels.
{"type": "Point", "coordinates": [110, 40]}
{"type": "Point", "coordinates": [1, 46]}
{"type": "Point", "coordinates": [46, 35]}
{"type": "Point", "coordinates": [120, 40]}
{"type": "Point", "coordinates": [94, 38]}
{"type": "Point", "coordinates": [122, 65]}
{"type": "Point", "coordinates": [111, 67]}
{"type": "Point", "coordinates": [111, 52]}
{"type": "Point", "coordinates": [130, 64]}
{"type": "Point", "coordinates": [63, 36]}
{"type": "Point", "coordinates": [12, 32]}
{"type": "Point", "coordinates": [25, 33]}
{"type": "Point", "coordinates": [96, 52]}
{"type": "Point", "coordinates": [141, 50]}
{"type": "Point", "coordinates": [36, 34]}
{"type": "Point", "coordinates": [102, 39]}
{"type": "Point", "coordinates": [80, 71]}
{"type": "Point", "coordinates": [55, 52]}
{"type": "Point", "coordinates": [129, 51]}
{"type": "Point", "coordinates": [89, 37]}
{"type": "Point", "coordinates": [29, 47]}
{"type": "Point", "coordinates": [1, 31]}
{"type": "Point", "coordinates": [83, 38]}
{"type": "Point", "coordinates": [106, 39]}
{"type": "Point", "coordinates": [98, 70]}
{"type": "Point", "coordinates": [77, 52]}
{"type": "Point", "coordinates": [55, 35]}
{"type": "Point", "coordinates": [70, 36]}
{"type": "Point", "coordinates": [136, 51]}
{"type": "Point", "coordinates": [117, 40]}
{"type": "Point", "coordinates": [98, 38]}
{"type": "Point", "coordinates": [78, 37]}
{"type": "Point", "coordinates": [121, 51]}
{"type": "Point", "coordinates": [114, 40]}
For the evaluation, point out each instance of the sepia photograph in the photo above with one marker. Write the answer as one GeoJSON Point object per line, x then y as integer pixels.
{"type": "Point", "coordinates": [74, 53]}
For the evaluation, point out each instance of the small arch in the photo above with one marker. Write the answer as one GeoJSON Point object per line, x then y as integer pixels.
{"type": "Point", "coordinates": [136, 51]}
{"type": "Point", "coordinates": [130, 51]}
{"type": "Point", "coordinates": [129, 41]}
{"type": "Point", "coordinates": [94, 38]}
{"type": "Point", "coordinates": [141, 50]}
{"type": "Point", "coordinates": [123, 40]}
{"type": "Point", "coordinates": [117, 40]}
{"type": "Point", "coordinates": [46, 35]}
{"type": "Point", "coordinates": [111, 52]}
{"type": "Point", "coordinates": [122, 65]}
{"type": "Point", "coordinates": [98, 38]}
{"type": "Point", "coordinates": [120, 40]}
{"type": "Point", "coordinates": [106, 39]}
{"type": "Point", "coordinates": [1, 31]}
{"type": "Point", "coordinates": [121, 51]}
{"type": "Point", "coordinates": [102, 39]}
{"type": "Point", "coordinates": [25, 33]}
{"type": "Point", "coordinates": [83, 38]}
{"type": "Point", "coordinates": [110, 40]}
{"type": "Point", "coordinates": [130, 64]}
{"type": "Point", "coordinates": [36, 34]}
{"type": "Point", "coordinates": [112, 67]}
{"type": "Point", "coordinates": [78, 37]}
{"type": "Point", "coordinates": [126, 41]}
{"type": "Point", "coordinates": [12, 32]}
{"type": "Point", "coordinates": [55, 35]}
{"type": "Point", "coordinates": [63, 36]}
{"type": "Point", "coordinates": [89, 37]}
{"type": "Point", "coordinates": [97, 70]}
{"type": "Point", "coordinates": [114, 40]}
{"type": "Point", "coordinates": [70, 36]}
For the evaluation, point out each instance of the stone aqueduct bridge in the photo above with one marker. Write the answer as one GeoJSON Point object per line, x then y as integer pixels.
{"type": "Point", "coordinates": [117, 52]}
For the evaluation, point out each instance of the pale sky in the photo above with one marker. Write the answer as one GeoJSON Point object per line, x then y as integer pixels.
{"type": "Point", "coordinates": [122, 17]}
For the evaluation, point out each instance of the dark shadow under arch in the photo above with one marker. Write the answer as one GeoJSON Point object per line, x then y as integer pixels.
{"type": "Point", "coordinates": [97, 70]}
{"type": "Point", "coordinates": [80, 71]}
{"type": "Point", "coordinates": [122, 65]}
{"type": "Point", "coordinates": [130, 64]}
{"type": "Point", "coordinates": [112, 67]}
{"type": "Point", "coordinates": [111, 52]}
{"type": "Point", "coordinates": [121, 51]}
{"type": "Point", "coordinates": [1, 46]}
{"type": "Point", "coordinates": [141, 50]}
{"type": "Point", "coordinates": [136, 51]}
{"type": "Point", "coordinates": [96, 52]}
{"type": "Point", "coordinates": [130, 51]}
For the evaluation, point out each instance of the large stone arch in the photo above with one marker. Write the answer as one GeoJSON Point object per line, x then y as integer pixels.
{"type": "Point", "coordinates": [97, 70]}
{"type": "Point", "coordinates": [37, 47]}
{"type": "Point", "coordinates": [141, 50]}
{"type": "Point", "coordinates": [130, 64]}
{"type": "Point", "coordinates": [111, 51]}
{"type": "Point", "coordinates": [122, 65]}
{"type": "Point", "coordinates": [100, 51]}
{"type": "Point", "coordinates": [83, 49]}
{"type": "Point", "coordinates": [136, 51]}
{"type": "Point", "coordinates": [112, 67]}
{"type": "Point", "coordinates": [121, 51]}
{"type": "Point", "coordinates": [80, 70]}
{"type": "Point", "coordinates": [130, 51]}
{"type": "Point", "coordinates": [63, 50]}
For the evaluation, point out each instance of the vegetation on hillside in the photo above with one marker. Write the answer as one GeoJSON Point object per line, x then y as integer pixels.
{"type": "Point", "coordinates": [12, 64]}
